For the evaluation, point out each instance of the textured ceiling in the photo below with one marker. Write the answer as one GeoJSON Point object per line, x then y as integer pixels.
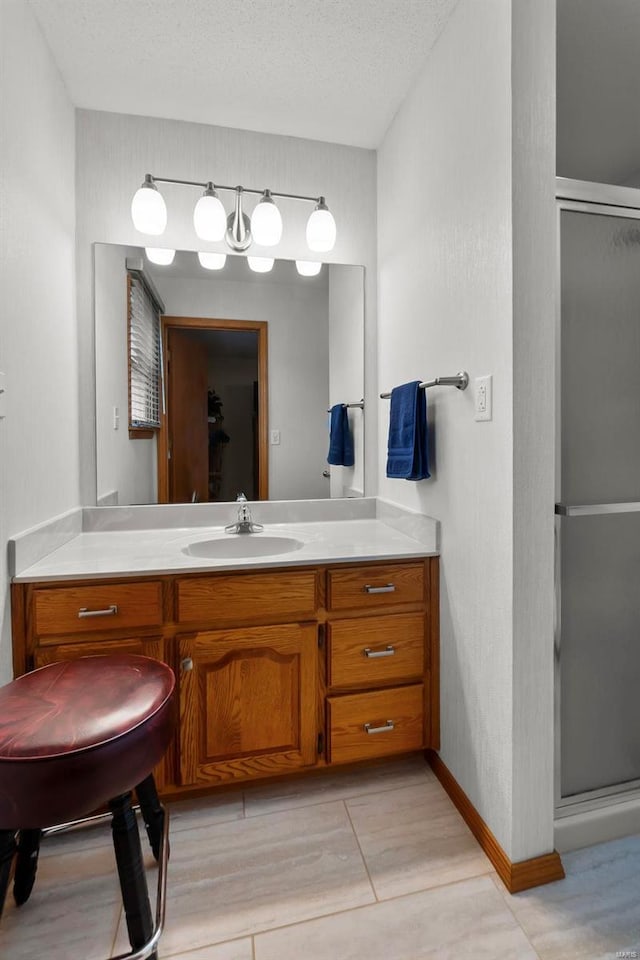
{"type": "Point", "coordinates": [334, 70]}
{"type": "Point", "coordinates": [599, 90]}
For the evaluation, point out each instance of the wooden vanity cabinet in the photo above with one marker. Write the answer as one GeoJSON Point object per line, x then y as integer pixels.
{"type": "Point", "coordinates": [382, 659]}
{"type": "Point", "coordinates": [277, 670]}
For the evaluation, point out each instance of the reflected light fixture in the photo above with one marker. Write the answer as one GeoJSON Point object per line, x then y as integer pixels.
{"type": "Point", "coordinates": [212, 261]}
{"type": "Point", "coordinates": [260, 264]}
{"type": "Point", "coordinates": [308, 268]}
{"type": "Point", "coordinates": [148, 209]}
{"type": "Point", "coordinates": [160, 255]}
{"type": "Point", "coordinates": [209, 217]}
{"type": "Point", "coordinates": [211, 223]}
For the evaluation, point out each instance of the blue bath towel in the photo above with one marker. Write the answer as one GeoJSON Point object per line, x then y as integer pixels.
{"type": "Point", "coordinates": [340, 442]}
{"type": "Point", "coordinates": [408, 448]}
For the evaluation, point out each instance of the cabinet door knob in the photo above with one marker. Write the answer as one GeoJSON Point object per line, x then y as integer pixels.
{"type": "Point", "coordinates": [374, 654]}
{"type": "Point", "coordinates": [386, 588]}
{"type": "Point", "coordinates": [187, 664]}
{"type": "Point", "coordinates": [389, 725]}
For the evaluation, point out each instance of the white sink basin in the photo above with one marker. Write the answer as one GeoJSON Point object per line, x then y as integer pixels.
{"type": "Point", "coordinates": [242, 545]}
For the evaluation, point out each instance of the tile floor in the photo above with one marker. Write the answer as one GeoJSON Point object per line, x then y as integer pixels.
{"type": "Point", "coordinates": [369, 865]}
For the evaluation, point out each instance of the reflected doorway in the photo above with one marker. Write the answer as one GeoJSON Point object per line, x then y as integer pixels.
{"type": "Point", "coordinates": [213, 436]}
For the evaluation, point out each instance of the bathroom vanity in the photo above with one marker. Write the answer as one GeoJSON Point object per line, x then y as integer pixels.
{"type": "Point", "coordinates": [286, 665]}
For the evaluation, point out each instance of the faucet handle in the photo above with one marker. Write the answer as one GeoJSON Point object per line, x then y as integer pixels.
{"type": "Point", "coordinates": [241, 498]}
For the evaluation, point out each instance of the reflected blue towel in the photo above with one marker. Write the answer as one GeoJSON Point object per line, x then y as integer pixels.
{"type": "Point", "coordinates": [340, 442]}
{"type": "Point", "coordinates": [408, 446]}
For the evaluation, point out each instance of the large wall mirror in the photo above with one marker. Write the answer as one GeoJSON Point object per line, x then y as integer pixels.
{"type": "Point", "coordinates": [214, 382]}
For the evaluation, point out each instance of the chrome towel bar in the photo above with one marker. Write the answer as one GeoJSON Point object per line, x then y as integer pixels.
{"type": "Point", "coordinates": [348, 406]}
{"type": "Point", "coordinates": [461, 381]}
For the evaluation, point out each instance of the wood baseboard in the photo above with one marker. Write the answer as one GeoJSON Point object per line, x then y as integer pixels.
{"type": "Point", "coordinates": [516, 876]}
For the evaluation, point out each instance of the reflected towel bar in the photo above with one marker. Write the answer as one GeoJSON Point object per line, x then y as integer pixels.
{"type": "Point", "coordinates": [348, 406]}
{"type": "Point", "coordinates": [461, 381]}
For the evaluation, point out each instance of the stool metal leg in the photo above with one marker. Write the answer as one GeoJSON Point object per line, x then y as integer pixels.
{"type": "Point", "coordinates": [26, 865]}
{"type": "Point", "coordinates": [133, 882]}
{"type": "Point", "coordinates": [7, 853]}
{"type": "Point", "coordinates": [152, 812]}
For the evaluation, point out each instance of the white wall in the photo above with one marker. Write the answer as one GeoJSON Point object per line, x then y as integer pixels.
{"type": "Point", "coordinates": [126, 467]}
{"type": "Point", "coordinates": [534, 325]}
{"type": "Point", "coordinates": [115, 151]}
{"type": "Point", "coordinates": [346, 372]}
{"type": "Point", "coordinates": [38, 349]}
{"type": "Point", "coordinates": [446, 302]}
{"type": "Point", "coordinates": [298, 345]}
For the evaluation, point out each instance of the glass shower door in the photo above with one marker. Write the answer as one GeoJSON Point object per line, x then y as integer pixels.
{"type": "Point", "coordinates": [598, 521]}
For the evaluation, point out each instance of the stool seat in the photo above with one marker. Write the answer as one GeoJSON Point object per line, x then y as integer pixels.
{"type": "Point", "coordinates": [76, 733]}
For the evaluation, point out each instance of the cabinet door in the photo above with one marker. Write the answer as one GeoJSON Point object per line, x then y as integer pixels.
{"type": "Point", "coordinates": [247, 702]}
{"type": "Point", "coordinates": [149, 647]}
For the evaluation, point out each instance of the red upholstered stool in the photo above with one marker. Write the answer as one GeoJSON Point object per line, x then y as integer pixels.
{"type": "Point", "coordinates": [76, 735]}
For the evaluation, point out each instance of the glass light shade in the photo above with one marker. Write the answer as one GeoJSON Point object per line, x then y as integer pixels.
{"type": "Point", "coordinates": [266, 223]}
{"type": "Point", "coordinates": [321, 229]}
{"type": "Point", "coordinates": [212, 261]}
{"type": "Point", "coordinates": [260, 264]}
{"type": "Point", "coordinates": [148, 210]}
{"type": "Point", "coordinates": [308, 268]}
{"type": "Point", "coordinates": [160, 255]}
{"type": "Point", "coordinates": [209, 217]}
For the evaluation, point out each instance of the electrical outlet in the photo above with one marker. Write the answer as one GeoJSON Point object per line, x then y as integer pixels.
{"type": "Point", "coordinates": [484, 398]}
{"type": "Point", "coordinates": [275, 438]}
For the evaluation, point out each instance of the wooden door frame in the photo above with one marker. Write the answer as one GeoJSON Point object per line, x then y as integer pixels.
{"type": "Point", "coordinates": [210, 323]}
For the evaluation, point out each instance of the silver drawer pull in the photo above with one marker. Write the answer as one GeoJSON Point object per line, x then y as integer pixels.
{"type": "Point", "coordinates": [389, 725]}
{"type": "Point", "coordinates": [374, 654]}
{"type": "Point", "coordinates": [109, 612]}
{"type": "Point", "coordinates": [187, 664]}
{"type": "Point", "coordinates": [387, 588]}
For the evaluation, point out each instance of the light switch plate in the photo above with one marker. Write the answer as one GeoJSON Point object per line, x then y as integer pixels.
{"type": "Point", "coordinates": [275, 438]}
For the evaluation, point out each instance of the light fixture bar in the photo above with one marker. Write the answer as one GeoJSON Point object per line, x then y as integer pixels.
{"type": "Point", "coordinates": [221, 186]}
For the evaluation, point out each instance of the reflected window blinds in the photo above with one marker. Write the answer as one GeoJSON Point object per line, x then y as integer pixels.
{"type": "Point", "coordinates": [145, 366]}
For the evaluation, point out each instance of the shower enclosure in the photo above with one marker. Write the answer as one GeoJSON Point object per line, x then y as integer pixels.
{"type": "Point", "coordinates": [598, 494]}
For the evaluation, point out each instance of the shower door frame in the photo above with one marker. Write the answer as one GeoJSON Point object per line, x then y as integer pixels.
{"type": "Point", "coordinates": [603, 199]}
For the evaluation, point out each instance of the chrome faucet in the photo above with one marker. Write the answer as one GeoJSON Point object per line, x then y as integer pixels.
{"type": "Point", "coordinates": [244, 521]}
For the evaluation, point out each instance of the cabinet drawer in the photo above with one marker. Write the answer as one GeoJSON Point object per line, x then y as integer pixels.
{"type": "Point", "coordinates": [52, 653]}
{"type": "Point", "coordinates": [377, 586]}
{"type": "Point", "coordinates": [85, 610]}
{"type": "Point", "coordinates": [374, 650]}
{"type": "Point", "coordinates": [375, 724]}
{"type": "Point", "coordinates": [247, 597]}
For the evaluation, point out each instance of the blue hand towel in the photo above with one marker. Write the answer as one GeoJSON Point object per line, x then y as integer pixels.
{"type": "Point", "coordinates": [408, 448]}
{"type": "Point", "coordinates": [340, 442]}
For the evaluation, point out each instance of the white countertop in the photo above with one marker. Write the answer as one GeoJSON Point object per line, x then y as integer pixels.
{"type": "Point", "coordinates": [120, 553]}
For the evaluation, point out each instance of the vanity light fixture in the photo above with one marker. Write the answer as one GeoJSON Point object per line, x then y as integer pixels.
{"type": "Point", "coordinates": [160, 255]}
{"type": "Point", "coordinates": [238, 234]}
{"type": "Point", "coordinates": [321, 228]}
{"type": "Point", "coordinates": [266, 222]}
{"type": "Point", "coordinates": [209, 217]}
{"type": "Point", "coordinates": [148, 209]}
{"type": "Point", "coordinates": [308, 268]}
{"type": "Point", "coordinates": [212, 261]}
{"type": "Point", "coordinates": [260, 264]}
{"type": "Point", "coordinates": [211, 223]}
